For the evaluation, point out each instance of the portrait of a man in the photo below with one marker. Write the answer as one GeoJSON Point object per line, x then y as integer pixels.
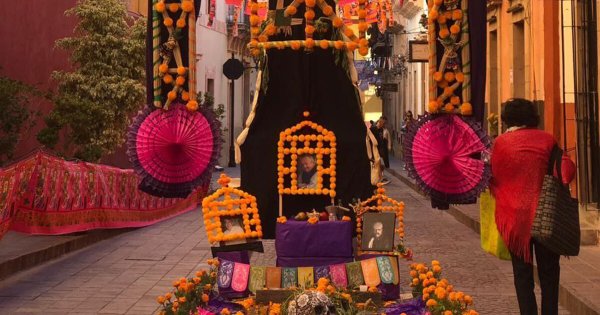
{"type": "Point", "coordinates": [378, 231]}
{"type": "Point", "coordinates": [307, 171]}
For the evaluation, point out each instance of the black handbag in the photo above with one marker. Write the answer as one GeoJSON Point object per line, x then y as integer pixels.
{"type": "Point", "coordinates": [556, 222]}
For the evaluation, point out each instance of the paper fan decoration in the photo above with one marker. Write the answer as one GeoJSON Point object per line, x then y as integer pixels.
{"type": "Point", "coordinates": [445, 155]}
{"type": "Point", "coordinates": [174, 151]}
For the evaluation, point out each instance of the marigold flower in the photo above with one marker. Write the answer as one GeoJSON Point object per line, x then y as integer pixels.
{"type": "Point", "coordinates": [290, 10]}
{"type": "Point", "coordinates": [309, 43]}
{"type": "Point", "coordinates": [161, 299]}
{"type": "Point", "coordinates": [431, 303]}
{"type": "Point", "coordinates": [205, 298]}
{"type": "Point", "coordinates": [187, 5]}
{"type": "Point", "coordinates": [457, 15]}
{"type": "Point", "coordinates": [173, 7]}
{"type": "Point", "coordinates": [168, 79]}
{"type": "Point", "coordinates": [444, 33]}
{"type": "Point", "coordinates": [346, 218]}
{"type": "Point", "coordinates": [310, 3]}
{"type": "Point", "coordinates": [160, 7]}
{"type": "Point", "coordinates": [192, 106]}
{"type": "Point", "coordinates": [225, 311]}
{"type": "Point", "coordinates": [309, 15]}
{"type": "Point", "coordinates": [466, 109]}
{"type": "Point", "coordinates": [168, 22]}
{"type": "Point", "coordinates": [372, 289]}
{"type": "Point", "coordinates": [468, 300]}
{"type": "Point", "coordinates": [363, 51]}
{"type": "Point", "coordinates": [349, 32]}
{"type": "Point", "coordinates": [270, 29]}
{"type": "Point", "coordinates": [180, 23]}
{"type": "Point", "coordinates": [337, 22]}
{"type": "Point", "coordinates": [180, 80]}
{"type": "Point", "coordinates": [163, 68]}
{"type": "Point", "coordinates": [324, 44]}
{"type": "Point", "coordinates": [327, 10]}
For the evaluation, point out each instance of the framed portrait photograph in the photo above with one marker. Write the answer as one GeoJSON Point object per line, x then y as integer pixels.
{"type": "Point", "coordinates": [307, 171]}
{"type": "Point", "coordinates": [378, 231]}
{"type": "Point", "coordinates": [233, 225]}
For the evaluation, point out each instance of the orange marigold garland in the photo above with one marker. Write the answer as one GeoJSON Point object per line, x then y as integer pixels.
{"type": "Point", "coordinates": [165, 53]}
{"type": "Point", "coordinates": [259, 41]}
{"type": "Point", "coordinates": [452, 72]}
{"type": "Point", "coordinates": [230, 202]}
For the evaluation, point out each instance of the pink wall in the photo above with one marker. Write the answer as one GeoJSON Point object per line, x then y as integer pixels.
{"type": "Point", "coordinates": [27, 53]}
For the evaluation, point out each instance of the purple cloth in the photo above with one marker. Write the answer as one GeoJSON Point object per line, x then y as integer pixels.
{"type": "Point", "coordinates": [324, 239]}
{"type": "Point", "coordinates": [238, 257]}
{"type": "Point", "coordinates": [389, 292]}
{"type": "Point", "coordinates": [299, 244]}
{"type": "Point", "coordinates": [311, 261]}
{"type": "Point", "coordinates": [415, 306]}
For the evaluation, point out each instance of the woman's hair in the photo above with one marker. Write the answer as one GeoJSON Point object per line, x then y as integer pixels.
{"type": "Point", "coordinates": [518, 112]}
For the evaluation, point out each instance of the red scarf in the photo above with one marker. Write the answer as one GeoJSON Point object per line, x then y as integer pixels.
{"type": "Point", "coordinates": [519, 162]}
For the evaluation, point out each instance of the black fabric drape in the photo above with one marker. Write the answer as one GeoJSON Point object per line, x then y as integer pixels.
{"type": "Point", "coordinates": [299, 81]}
{"type": "Point", "coordinates": [478, 39]}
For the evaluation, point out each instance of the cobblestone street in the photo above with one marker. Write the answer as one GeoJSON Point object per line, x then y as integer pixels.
{"type": "Point", "coordinates": [123, 275]}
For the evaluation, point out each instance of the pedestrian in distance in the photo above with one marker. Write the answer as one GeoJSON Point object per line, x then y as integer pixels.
{"type": "Point", "coordinates": [384, 143]}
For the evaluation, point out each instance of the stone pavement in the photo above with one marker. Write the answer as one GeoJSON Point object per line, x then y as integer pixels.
{"type": "Point", "coordinates": [124, 274]}
{"type": "Point", "coordinates": [579, 278]}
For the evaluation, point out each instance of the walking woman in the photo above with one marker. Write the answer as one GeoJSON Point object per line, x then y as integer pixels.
{"type": "Point", "coordinates": [519, 161]}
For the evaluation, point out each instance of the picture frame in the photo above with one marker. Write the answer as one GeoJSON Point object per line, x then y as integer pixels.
{"type": "Point", "coordinates": [418, 51]}
{"type": "Point", "coordinates": [378, 231]}
{"type": "Point", "coordinates": [306, 161]}
{"type": "Point", "coordinates": [380, 208]}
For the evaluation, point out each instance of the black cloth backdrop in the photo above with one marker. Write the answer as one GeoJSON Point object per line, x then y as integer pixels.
{"type": "Point", "coordinates": [299, 81]}
{"type": "Point", "coordinates": [478, 37]}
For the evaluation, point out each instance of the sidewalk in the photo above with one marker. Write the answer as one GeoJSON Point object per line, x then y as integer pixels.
{"type": "Point", "coordinates": [579, 277]}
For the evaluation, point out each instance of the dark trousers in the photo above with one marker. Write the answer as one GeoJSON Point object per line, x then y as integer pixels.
{"type": "Point", "coordinates": [549, 274]}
